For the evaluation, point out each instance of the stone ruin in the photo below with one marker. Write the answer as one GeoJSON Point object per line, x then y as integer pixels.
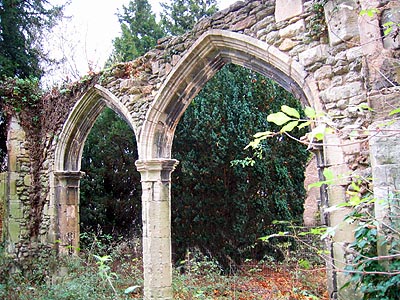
{"type": "Point", "coordinates": [335, 62]}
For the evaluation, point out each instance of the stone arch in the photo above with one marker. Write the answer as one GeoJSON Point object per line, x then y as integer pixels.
{"type": "Point", "coordinates": [67, 161]}
{"type": "Point", "coordinates": [81, 119]}
{"type": "Point", "coordinates": [208, 54]}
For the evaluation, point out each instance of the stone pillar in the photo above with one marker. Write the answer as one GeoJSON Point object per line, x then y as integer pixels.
{"type": "Point", "coordinates": [17, 186]}
{"type": "Point", "coordinates": [385, 163]}
{"type": "Point", "coordinates": [156, 214]}
{"type": "Point", "coordinates": [67, 193]}
{"type": "Point", "coordinates": [335, 161]}
{"type": "Point", "coordinates": [3, 197]}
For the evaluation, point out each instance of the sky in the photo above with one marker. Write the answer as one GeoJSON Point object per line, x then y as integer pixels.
{"type": "Point", "coordinates": [85, 38]}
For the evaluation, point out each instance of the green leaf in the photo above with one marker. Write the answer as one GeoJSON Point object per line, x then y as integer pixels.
{"type": "Point", "coordinates": [388, 27]}
{"type": "Point", "coordinates": [328, 174]}
{"type": "Point", "coordinates": [290, 111]}
{"type": "Point", "coordinates": [279, 118]}
{"type": "Point", "coordinates": [263, 134]}
{"type": "Point", "coordinates": [330, 232]}
{"type": "Point", "coordinates": [289, 126]}
{"type": "Point", "coordinates": [304, 124]}
{"type": "Point", "coordinates": [365, 107]}
{"type": "Point", "coordinates": [253, 144]}
{"type": "Point", "coordinates": [329, 178]}
{"type": "Point", "coordinates": [131, 289]}
{"type": "Point", "coordinates": [394, 111]}
{"type": "Point", "coordinates": [310, 112]}
{"type": "Point", "coordinates": [369, 12]}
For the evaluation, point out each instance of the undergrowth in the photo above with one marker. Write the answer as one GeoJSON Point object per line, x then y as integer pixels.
{"type": "Point", "coordinates": [110, 268]}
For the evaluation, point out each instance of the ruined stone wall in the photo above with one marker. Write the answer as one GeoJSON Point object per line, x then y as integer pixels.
{"type": "Point", "coordinates": [347, 65]}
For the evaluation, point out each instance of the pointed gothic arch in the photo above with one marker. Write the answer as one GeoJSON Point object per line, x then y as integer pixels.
{"type": "Point", "coordinates": [67, 161]}
{"type": "Point", "coordinates": [209, 54]}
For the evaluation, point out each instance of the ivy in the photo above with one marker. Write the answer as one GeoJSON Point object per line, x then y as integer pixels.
{"type": "Point", "coordinates": [317, 26]}
{"type": "Point", "coordinates": [20, 93]}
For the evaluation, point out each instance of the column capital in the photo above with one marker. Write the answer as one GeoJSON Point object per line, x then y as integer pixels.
{"type": "Point", "coordinates": [156, 169]}
{"type": "Point", "coordinates": [68, 174]}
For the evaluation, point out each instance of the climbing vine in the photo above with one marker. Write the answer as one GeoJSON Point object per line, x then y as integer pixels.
{"type": "Point", "coordinates": [41, 115]}
{"type": "Point", "coordinates": [317, 26]}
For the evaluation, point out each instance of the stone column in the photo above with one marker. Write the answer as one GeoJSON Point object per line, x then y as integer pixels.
{"type": "Point", "coordinates": [385, 163]}
{"type": "Point", "coordinates": [334, 157]}
{"type": "Point", "coordinates": [156, 214]}
{"type": "Point", "coordinates": [67, 193]}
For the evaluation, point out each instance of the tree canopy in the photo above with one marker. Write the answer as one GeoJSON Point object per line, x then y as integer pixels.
{"type": "Point", "coordinates": [140, 31]}
{"type": "Point", "coordinates": [22, 26]}
{"type": "Point", "coordinates": [181, 15]}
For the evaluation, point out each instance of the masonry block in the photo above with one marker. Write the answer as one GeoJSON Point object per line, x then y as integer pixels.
{"type": "Point", "coordinates": [15, 210]}
{"type": "Point", "coordinates": [313, 55]}
{"type": "Point", "coordinates": [14, 230]}
{"type": "Point", "coordinates": [343, 20]}
{"type": "Point", "coordinates": [349, 293]}
{"type": "Point", "coordinates": [287, 9]}
{"type": "Point", "coordinates": [333, 154]}
{"type": "Point", "coordinates": [337, 194]}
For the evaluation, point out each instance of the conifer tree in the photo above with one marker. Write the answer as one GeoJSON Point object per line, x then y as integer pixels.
{"type": "Point", "coordinates": [140, 31]}
{"type": "Point", "coordinates": [181, 15]}
{"type": "Point", "coordinates": [22, 24]}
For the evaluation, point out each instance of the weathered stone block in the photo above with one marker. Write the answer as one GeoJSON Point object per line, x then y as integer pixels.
{"type": "Point", "coordinates": [287, 44]}
{"type": "Point", "coordinates": [354, 53]}
{"type": "Point", "coordinates": [14, 230]}
{"type": "Point", "coordinates": [337, 93]}
{"type": "Point", "coordinates": [27, 180]}
{"type": "Point", "coordinates": [323, 72]}
{"type": "Point", "coordinates": [339, 253]}
{"type": "Point", "coordinates": [313, 55]}
{"type": "Point", "coordinates": [293, 30]}
{"type": "Point", "coordinates": [333, 155]}
{"type": "Point", "coordinates": [385, 150]}
{"type": "Point", "coordinates": [287, 9]}
{"type": "Point", "coordinates": [15, 210]}
{"type": "Point", "coordinates": [343, 20]}
{"type": "Point", "coordinates": [337, 195]}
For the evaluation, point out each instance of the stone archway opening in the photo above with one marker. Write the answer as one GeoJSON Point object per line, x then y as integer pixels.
{"type": "Point", "coordinates": [220, 208]}
{"type": "Point", "coordinates": [68, 157]}
{"type": "Point", "coordinates": [110, 190]}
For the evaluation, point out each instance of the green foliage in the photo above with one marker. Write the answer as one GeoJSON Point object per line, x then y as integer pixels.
{"type": "Point", "coordinates": [140, 31]}
{"type": "Point", "coordinates": [22, 25]}
{"type": "Point", "coordinates": [180, 16]}
{"type": "Point", "coordinates": [48, 276]}
{"type": "Point", "coordinates": [317, 26]}
{"type": "Point", "coordinates": [110, 189]}
{"type": "Point", "coordinates": [16, 94]}
{"type": "Point", "coordinates": [209, 195]}
{"type": "Point", "coordinates": [376, 265]}
{"type": "Point", "coordinates": [20, 93]}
